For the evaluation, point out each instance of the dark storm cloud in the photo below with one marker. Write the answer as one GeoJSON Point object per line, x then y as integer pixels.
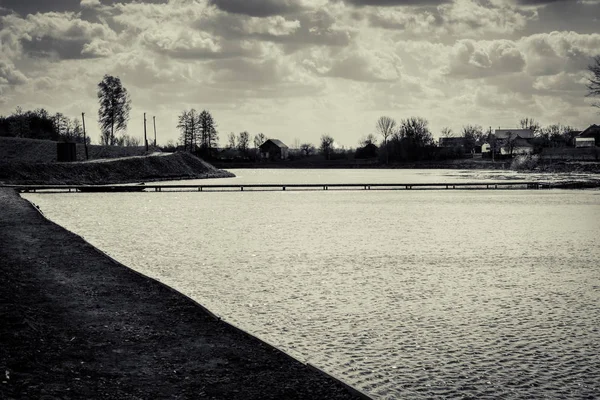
{"type": "Point", "coordinates": [395, 3]}
{"type": "Point", "coordinates": [540, 2]}
{"type": "Point", "coordinates": [25, 7]}
{"type": "Point", "coordinates": [257, 8]}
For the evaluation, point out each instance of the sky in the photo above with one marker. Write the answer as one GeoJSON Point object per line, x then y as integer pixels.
{"type": "Point", "coordinates": [297, 69]}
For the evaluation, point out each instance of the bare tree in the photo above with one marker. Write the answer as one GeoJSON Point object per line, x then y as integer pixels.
{"type": "Point", "coordinates": [369, 139]}
{"type": "Point", "coordinates": [231, 140]}
{"type": "Point", "coordinates": [243, 142]}
{"type": "Point", "coordinates": [447, 133]}
{"type": "Point", "coordinates": [326, 146]}
{"type": "Point", "coordinates": [593, 85]}
{"type": "Point", "coordinates": [385, 127]}
{"type": "Point", "coordinates": [259, 139]}
{"type": "Point", "coordinates": [530, 123]}
{"type": "Point", "coordinates": [183, 124]}
{"type": "Point", "coordinates": [208, 131]}
{"type": "Point", "coordinates": [417, 130]}
{"type": "Point", "coordinates": [307, 148]}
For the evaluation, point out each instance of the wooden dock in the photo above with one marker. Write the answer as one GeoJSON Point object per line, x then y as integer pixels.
{"type": "Point", "coordinates": [283, 186]}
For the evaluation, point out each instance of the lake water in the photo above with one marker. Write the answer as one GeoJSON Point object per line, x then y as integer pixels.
{"type": "Point", "coordinates": [404, 294]}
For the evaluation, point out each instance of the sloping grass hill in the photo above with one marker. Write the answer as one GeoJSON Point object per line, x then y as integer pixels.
{"type": "Point", "coordinates": [121, 170]}
{"type": "Point", "coordinates": [44, 151]}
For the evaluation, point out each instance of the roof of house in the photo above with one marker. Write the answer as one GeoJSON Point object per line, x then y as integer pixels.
{"type": "Point", "coordinates": [591, 131]}
{"type": "Point", "coordinates": [276, 142]}
{"type": "Point", "coordinates": [520, 142]}
{"type": "Point", "coordinates": [522, 133]}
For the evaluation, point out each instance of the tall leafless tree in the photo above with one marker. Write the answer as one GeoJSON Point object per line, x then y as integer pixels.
{"type": "Point", "coordinates": [385, 126]}
{"type": "Point", "coordinates": [530, 123]}
{"type": "Point", "coordinates": [447, 133]}
{"type": "Point", "coordinates": [594, 81]}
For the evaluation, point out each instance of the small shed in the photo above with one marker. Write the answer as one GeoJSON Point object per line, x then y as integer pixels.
{"type": "Point", "coordinates": [66, 152]}
{"type": "Point", "coordinates": [274, 149]}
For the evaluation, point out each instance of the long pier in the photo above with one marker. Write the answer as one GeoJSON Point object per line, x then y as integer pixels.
{"type": "Point", "coordinates": [283, 186]}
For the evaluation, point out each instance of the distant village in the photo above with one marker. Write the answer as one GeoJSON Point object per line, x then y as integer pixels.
{"type": "Point", "coordinates": [410, 140]}
{"type": "Point", "coordinates": [500, 144]}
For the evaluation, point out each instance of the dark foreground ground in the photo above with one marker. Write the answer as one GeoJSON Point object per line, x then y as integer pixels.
{"type": "Point", "coordinates": [77, 325]}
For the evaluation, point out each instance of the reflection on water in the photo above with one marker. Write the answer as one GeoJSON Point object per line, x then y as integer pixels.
{"type": "Point", "coordinates": [408, 294]}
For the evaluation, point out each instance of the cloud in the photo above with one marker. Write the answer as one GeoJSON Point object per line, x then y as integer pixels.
{"type": "Point", "coordinates": [461, 18]}
{"type": "Point", "coordinates": [258, 8]}
{"type": "Point", "coordinates": [476, 59]}
{"type": "Point", "coordinates": [52, 34]}
{"type": "Point", "coordinates": [90, 3]}
{"type": "Point", "coordinates": [396, 3]}
{"type": "Point", "coordinates": [361, 64]}
{"type": "Point", "coordinates": [556, 52]}
{"type": "Point", "coordinates": [10, 75]}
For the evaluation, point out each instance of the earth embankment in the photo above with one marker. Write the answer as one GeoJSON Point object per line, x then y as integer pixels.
{"type": "Point", "coordinates": [78, 325]}
{"type": "Point", "coordinates": [119, 170]}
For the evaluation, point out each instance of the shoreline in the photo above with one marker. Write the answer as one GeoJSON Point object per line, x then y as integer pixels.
{"type": "Point", "coordinates": [81, 325]}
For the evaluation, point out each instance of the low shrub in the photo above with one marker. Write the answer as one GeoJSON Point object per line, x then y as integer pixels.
{"type": "Point", "coordinates": [525, 162]}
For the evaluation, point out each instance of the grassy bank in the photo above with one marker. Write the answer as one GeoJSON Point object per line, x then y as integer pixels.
{"type": "Point", "coordinates": [35, 151]}
{"type": "Point", "coordinates": [122, 170]}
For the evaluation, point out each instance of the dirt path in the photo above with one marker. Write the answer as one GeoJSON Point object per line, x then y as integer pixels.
{"type": "Point", "coordinates": [77, 325]}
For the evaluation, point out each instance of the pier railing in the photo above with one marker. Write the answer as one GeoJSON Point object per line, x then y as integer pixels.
{"type": "Point", "coordinates": [284, 186]}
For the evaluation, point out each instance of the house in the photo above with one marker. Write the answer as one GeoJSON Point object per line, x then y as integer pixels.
{"type": "Point", "coordinates": [590, 137]}
{"type": "Point", "coordinates": [370, 150]}
{"type": "Point", "coordinates": [514, 141]}
{"type": "Point", "coordinates": [513, 133]}
{"type": "Point", "coordinates": [517, 146]}
{"type": "Point", "coordinates": [274, 149]}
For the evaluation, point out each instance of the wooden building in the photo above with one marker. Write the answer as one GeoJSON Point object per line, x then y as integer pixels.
{"type": "Point", "coordinates": [274, 149]}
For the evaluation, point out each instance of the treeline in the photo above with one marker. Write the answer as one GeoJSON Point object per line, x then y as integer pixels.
{"type": "Point", "coordinates": [39, 124]}
{"type": "Point", "coordinates": [198, 131]}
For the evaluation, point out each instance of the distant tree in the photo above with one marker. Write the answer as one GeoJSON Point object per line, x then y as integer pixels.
{"type": "Point", "coordinates": [307, 149]}
{"type": "Point", "coordinates": [326, 146]}
{"type": "Point", "coordinates": [472, 135]}
{"type": "Point", "coordinates": [369, 139]}
{"type": "Point", "coordinates": [78, 132]}
{"type": "Point", "coordinates": [385, 126]}
{"type": "Point", "coordinates": [194, 128]}
{"type": "Point", "coordinates": [208, 131]}
{"type": "Point", "coordinates": [416, 129]}
{"type": "Point", "coordinates": [61, 125]}
{"type": "Point", "coordinates": [474, 131]}
{"type": "Point", "coordinates": [529, 123]}
{"type": "Point", "coordinates": [259, 139]}
{"type": "Point", "coordinates": [447, 133]}
{"type": "Point", "coordinates": [510, 142]}
{"type": "Point", "coordinates": [128, 141]}
{"type": "Point", "coordinates": [184, 127]}
{"type": "Point", "coordinates": [593, 85]}
{"type": "Point", "coordinates": [243, 142]}
{"type": "Point", "coordinates": [115, 106]}
{"type": "Point", "coordinates": [37, 124]}
{"type": "Point", "coordinates": [231, 140]}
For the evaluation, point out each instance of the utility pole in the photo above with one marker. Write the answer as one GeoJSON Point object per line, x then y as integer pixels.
{"type": "Point", "coordinates": [145, 138]}
{"type": "Point", "coordinates": [154, 121]}
{"type": "Point", "coordinates": [84, 137]}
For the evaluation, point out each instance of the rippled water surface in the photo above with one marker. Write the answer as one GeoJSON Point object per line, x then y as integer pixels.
{"type": "Point", "coordinates": [403, 294]}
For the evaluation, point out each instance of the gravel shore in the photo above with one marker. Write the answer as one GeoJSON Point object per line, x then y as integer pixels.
{"type": "Point", "coordinates": [78, 325]}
